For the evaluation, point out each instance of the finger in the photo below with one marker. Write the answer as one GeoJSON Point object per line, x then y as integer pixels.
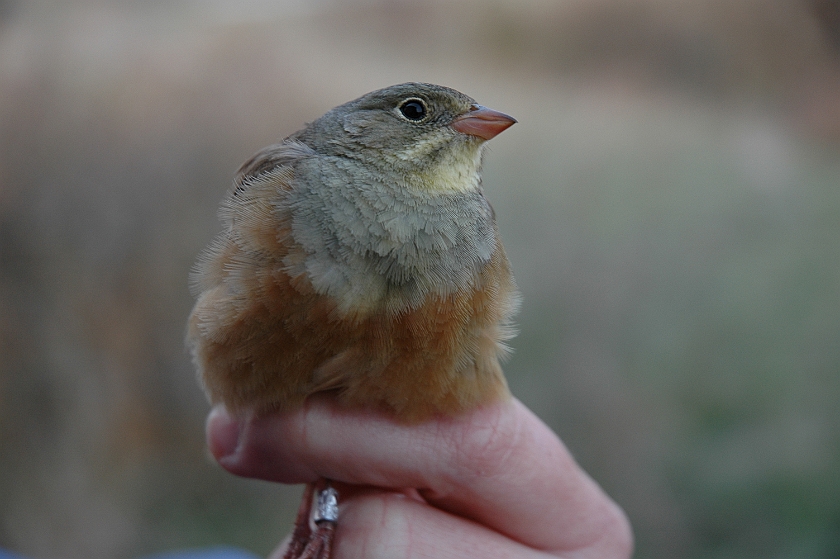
{"type": "Point", "coordinates": [387, 524]}
{"type": "Point", "coordinates": [498, 465]}
{"type": "Point", "coordinates": [384, 524]}
{"type": "Point", "coordinates": [347, 494]}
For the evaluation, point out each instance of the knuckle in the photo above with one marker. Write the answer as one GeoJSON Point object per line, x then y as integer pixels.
{"type": "Point", "coordinates": [486, 445]}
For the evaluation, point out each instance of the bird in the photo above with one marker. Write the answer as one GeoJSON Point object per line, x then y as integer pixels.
{"type": "Point", "coordinates": [359, 257]}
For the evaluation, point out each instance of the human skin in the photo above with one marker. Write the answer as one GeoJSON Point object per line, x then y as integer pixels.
{"type": "Point", "coordinates": [491, 483]}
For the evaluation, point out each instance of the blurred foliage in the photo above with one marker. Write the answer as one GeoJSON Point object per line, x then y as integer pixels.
{"type": "Point", "coordinates": [669, 200]}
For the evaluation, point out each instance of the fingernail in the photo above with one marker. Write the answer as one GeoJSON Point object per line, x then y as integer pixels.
{"type": "Point", "coordinates": [223, 432]}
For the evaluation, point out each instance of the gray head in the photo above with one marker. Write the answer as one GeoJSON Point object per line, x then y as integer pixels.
{"type": "Point", "coordinates": [427, 134]}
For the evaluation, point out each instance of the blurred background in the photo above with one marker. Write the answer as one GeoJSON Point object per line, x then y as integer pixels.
{"type": "Point", "coordinates": [670, 200]}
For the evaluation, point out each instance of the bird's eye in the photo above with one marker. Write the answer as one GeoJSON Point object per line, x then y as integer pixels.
{"type": "Point", "coordinates": [413, 109]}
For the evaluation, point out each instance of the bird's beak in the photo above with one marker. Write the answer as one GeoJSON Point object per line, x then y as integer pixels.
{"type": "Point", "coordinates": [482, 122]}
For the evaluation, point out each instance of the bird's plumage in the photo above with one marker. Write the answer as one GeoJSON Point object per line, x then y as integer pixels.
{"type": "Point", "coordinates": [359, 255]}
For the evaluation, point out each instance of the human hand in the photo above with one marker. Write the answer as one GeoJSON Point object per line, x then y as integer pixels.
{"type": "Point", "coordinates": [494, 482]}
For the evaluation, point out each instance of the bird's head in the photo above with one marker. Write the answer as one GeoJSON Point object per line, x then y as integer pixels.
{"type": "Point", "coordinates": [423, 135]}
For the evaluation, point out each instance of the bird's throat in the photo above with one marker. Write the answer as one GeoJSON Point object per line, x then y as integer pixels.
{"type": "Point", "coordinates": [456, 176]}
{"type": "Point", "coordinates": [439, 164]}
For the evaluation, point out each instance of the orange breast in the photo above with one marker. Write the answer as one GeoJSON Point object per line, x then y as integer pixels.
{"type": "Point", "coordinates": [263, 340]}
{"type": "Point", "coordinates": [270, 349]}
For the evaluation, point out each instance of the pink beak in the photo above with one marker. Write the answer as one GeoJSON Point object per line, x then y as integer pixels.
{"type": "Point", "coordinates": [482, 122]}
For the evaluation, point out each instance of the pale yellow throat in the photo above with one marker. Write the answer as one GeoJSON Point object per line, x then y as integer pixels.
{"type": "Point", "coordinates": [457, 171]}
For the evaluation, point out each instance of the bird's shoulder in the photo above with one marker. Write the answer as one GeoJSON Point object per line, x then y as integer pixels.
{"type": "Point", "coordinates": [284, 154]}
{"type": "Point", "coordinates": [255, 236]}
